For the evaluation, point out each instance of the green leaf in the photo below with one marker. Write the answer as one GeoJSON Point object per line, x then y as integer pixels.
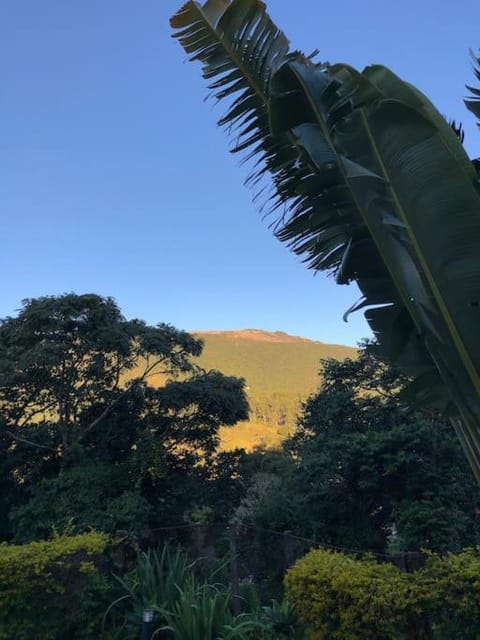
{"type": "Point", "coordinates": [473, 103]}
{"type": "Point", "coordinates": [373, 185]}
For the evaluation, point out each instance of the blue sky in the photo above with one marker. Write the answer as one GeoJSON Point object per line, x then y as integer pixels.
{"type": "Point", "coordinates": [115, 179]}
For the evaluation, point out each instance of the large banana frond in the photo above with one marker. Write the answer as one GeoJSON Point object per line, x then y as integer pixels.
{"type": "Point", "coordinates": [410, 183]}
{"type": "Point", "coordinates": [377, 186]}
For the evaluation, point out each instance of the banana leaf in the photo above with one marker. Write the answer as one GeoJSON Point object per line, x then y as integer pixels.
{"type": "Point", "coordinates": [370, 183]}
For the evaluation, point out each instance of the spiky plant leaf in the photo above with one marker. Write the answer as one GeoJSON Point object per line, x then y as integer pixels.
{"type": "Point", "coordinates": [473, 102]}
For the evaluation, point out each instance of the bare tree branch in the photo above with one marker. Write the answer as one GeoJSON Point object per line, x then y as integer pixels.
{"type": "Point", "coordinates": [106, 412]}
{"type": "Point", "coordinates": [29, 442]}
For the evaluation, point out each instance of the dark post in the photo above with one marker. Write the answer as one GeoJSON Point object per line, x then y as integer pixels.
{"type": "Point", "coordinates": [288, 550]}
{"type": "Point", "coordinates": [147, 624]}
{"type": "Point", "coordinates": [234, 577]}
{"type": "Point", "coordinates": [199, 539]}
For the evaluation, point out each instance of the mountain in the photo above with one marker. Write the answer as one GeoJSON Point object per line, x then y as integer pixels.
{"type": "Point", "coordinates": [280, 371]}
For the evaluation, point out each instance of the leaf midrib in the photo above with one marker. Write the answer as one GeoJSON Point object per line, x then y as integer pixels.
{"type": "Point", "coordinates": [355, 199]}
{"type": "Point", "coordinates": [443, 308]}
{"type": "Point", "coordinates": [237, 61]}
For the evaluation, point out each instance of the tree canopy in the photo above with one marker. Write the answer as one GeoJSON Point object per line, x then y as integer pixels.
{"type": "Point", "coordinates": [366, 471]}
{"type": "Point", "coordinates": [379, 471]}
{"type": "Point", "coordinates": [84, 437]}
{"type": "Point", "coordinates": [63, 355]}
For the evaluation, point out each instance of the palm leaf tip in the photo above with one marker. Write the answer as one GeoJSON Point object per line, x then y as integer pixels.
{"type": "Point", "coordinates": [473, 101]}
{"type": "Point", "coordinates": [241, 50]}
{"type": "Point", "coordinates": [458, 130]}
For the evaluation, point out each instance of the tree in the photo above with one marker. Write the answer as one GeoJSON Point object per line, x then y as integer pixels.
{"type": "Point", "coordinates": [373, 185]}
{"type": "Point", "coordinates": [85, 439]}
{"type": "Point", "coordinates": [375, 474]}
{"type": "Point", "coordinates": [63, 355]}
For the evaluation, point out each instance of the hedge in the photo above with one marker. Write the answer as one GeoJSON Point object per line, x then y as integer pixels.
{"type": "Point", "coordinates": [53, 590]}
{"type": "Point", "coordinates": [344, 598]}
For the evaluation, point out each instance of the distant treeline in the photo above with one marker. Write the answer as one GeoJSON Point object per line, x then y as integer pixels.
{"type": "Point", "coordinates": [277, 409]}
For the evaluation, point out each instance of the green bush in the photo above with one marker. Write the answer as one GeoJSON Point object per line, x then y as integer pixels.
{"type": "Point", "coordinates": [53, 590]}
{"type": "Point", "coordinates": [281, 621]}
{"type": "Point", "coordinates": [450, 589]}
{"type": "Point", "coordinates": [342, 598]}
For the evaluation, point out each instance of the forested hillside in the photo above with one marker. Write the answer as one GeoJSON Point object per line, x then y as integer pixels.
{"type": "Point", "coordinates": [281, 371]}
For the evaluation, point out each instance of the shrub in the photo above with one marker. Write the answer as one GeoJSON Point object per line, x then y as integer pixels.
{"type": "Point", "coordinates": [344, 598]}
{"type": "Point", "coordinates": [53, 589]}
{"type": "Point", "coordinates": [450, 589]}
{"type": "Point", "coordinates": [153, 584]}
{"type": "Point", "coordinates": [281, 621]}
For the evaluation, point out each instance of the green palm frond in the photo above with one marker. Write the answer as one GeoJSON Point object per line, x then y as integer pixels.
{"type": "Point", "coordinates": [376, 187]}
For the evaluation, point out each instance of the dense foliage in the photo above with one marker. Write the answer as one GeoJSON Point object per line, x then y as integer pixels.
{"type": "Point", "coordinates": [344, 598]}
{"type": "Point", "coordinates": [54, 590]}
{"type": "Point", "coordinates": [83, 449]}
{"type": "Point", "coordinates": [365, 471]}
{"type": "Point", "coordinates": [84, 444]}
{"type": "Point", "coordinates": [376, 474]}
{"type": "Point", "coordinates": [188, 604]}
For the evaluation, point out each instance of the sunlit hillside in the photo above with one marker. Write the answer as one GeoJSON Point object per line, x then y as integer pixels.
{"type": "Point", "coordinates": [280, 371]}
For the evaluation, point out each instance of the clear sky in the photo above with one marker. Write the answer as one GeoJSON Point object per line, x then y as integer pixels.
{"type": "Point", "coordinates": [114, 178]}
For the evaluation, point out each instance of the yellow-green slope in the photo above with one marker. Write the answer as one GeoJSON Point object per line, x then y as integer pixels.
{"type": "Point", "coordinates": [280, 370]}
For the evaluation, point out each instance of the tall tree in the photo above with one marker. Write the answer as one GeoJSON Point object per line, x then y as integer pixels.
{"type": "Point", "coordinates": [63, 355]}
{"type": "Point", "coordinates": [86, 440]}
{"type": "Point", "coordinates": [377, 188]}
{"type": "Point", "coordinates": [372, 472]}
